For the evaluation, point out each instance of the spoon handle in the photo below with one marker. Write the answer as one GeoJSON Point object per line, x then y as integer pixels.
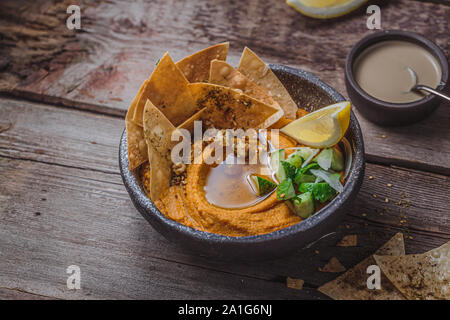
{"type": "Point", "coordinates": [432, 91]}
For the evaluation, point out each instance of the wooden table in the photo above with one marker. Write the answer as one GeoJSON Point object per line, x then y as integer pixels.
{"type": "Point", "coordinates": [65, 93]}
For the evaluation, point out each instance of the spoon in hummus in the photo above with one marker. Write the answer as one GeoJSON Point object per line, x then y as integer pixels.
{"type": "Point", "coordinates": [421, 87]}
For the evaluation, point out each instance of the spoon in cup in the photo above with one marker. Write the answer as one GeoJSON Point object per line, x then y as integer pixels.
{"type": "Point", "coordinates": [421, 87]}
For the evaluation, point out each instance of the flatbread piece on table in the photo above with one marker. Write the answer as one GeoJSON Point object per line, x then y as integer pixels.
{"type": "Point", "coordinates": [196, 66]}
{"type": "Point", "coordinates": [333, 265]}
{"type": "Point", "coordinates": [158, 132]}
{"type": "Point", "coordinates": [352, 284]}
{"type": "Point", "coordinates": [223, 74]}
{"type": "Point", "coordinates": [420, 276]}
{"type": "Point", "coordinates": [230, 109]}
{"type": "Point", "coordinates": [167, 90]}
{"type": "Point", "coordinates": [256, 70]}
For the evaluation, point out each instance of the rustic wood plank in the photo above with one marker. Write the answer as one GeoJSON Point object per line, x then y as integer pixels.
{"type": "Point", "coordinates": [54, 135]}
{"type": "Point", "coordinates": [17, 294]}
{"type": "Point", "coordinates": [101, 67]}
{"type": "Point", "coordinates": [59, 210]}
{"type": "Point", "coordinates": [124, 47]}
{"type": "Point", "coordinates": [54, 216]}
{"type": "Point", "coordinates": [51, 219]}
{"type": "Point", "coordinates": [446, 2]}
{"type": "Point", "coordinates": [424, 145]}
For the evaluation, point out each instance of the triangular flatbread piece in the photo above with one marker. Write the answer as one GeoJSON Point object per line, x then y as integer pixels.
{"type": "Point", "coordinates": [196, 66]}
{"type": "Point", "coordinates": [223, 74]}
{"type": "Point", "coordinates": [256, 70]}
{"type": "Point", "coordinates": [189, 123]}
{"type": "Point", "coordinates": [158, 132]}
{"type": "Point", "coordinates": [134, 103]}
{"type": "Point", "coordinates": [167, 90]}
{"type": "Point", "coordinates": [230, 109]}
{"type": "Point", "coordinates": [352, 284]}
{"type": "Point", "coordinates": [420, 276]}
{"type": "Point", "coordinates": [137, 149]}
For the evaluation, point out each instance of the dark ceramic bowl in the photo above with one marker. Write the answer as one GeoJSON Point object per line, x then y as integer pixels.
{"type": "Point", "coordinates": [310, 93]}
{"type": "Point", "coordinates": [386, 113]}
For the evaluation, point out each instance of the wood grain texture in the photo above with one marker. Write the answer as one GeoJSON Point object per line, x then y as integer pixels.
{"type": "Point", "coordinates": [101, 67]}
{"type": "Point", "coordinates": [62, 202]}
{"type": "Point", "coordinates": [18, 294]}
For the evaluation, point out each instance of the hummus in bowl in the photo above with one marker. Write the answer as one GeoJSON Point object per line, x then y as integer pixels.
{"type": "Point", "coordinates": [234, 210]}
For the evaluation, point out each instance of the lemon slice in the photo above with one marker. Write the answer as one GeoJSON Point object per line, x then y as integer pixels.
{"type": "Point", "coordinates": [324, 9]}
{"type": "Point", "coordinates": [322, 128]}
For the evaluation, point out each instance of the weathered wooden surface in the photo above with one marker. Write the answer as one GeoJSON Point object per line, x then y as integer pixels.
{"type": "Point", "coordinates": [62, 202]}
{"type": "Point", "coordinates": [100, 67]}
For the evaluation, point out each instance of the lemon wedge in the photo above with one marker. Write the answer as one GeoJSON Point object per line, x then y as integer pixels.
{"type": "Point", "coordinates": [322, 128]}
{"type": "Point", "coordinates": [325, 9]}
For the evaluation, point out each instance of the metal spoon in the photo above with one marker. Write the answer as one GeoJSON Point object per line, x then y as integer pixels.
{"type": "Point", "coordinates": [421, 87]}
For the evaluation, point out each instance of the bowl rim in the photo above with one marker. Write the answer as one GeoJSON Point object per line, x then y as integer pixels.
{"type": "Point", "coordinates": [353, 181]}
{"type": "Point", "coordinates": [387, 35]}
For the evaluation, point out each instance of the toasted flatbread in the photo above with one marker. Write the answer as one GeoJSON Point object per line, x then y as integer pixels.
{"type": "Point", "coordinates": [189, 123]}
{"type": "Point", "coordinates": [134, 103]}
{"type": "Point", "coordinates": [349, 240]}
{"type": "Point", "coordinates": [137, 148]}
{"type": "Point", "coordinates": [256, 70]}
{"type": "Point", "coordinates": [230, 109]}
{"type": "Point", "coordinates": [223, 74]}
{"type": "Point", "coordinates": [196, 66]}
{"type": "Point", "coordinates": [333, 265]}
{"type": "Point", "coordinates": [158, 132]}
{"type": "Point", "coordinates": [352, 284]}
{"type": "Point", "coordinates": [167, 90]}
{"type": "Point", "coordinates": [420, 276]}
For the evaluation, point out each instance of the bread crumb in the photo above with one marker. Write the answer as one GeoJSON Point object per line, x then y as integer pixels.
{"type": "Point", "coordinates": [350, 240]}
{"type": "Point", "coordinates": [294, 283]}
{"type": "Point", "coordinates": [333, 266]}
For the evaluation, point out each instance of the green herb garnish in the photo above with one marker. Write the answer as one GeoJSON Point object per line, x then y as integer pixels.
{"type": "Point", "coordinates": [285, 190]}
{"type": "Point", "coordinates": [321, 191]}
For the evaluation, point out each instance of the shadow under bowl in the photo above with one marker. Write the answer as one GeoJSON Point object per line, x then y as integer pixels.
{"type": "Point", "coordinates": [310, 93]}
{"type": "Point", "coordinates": [386, 113]}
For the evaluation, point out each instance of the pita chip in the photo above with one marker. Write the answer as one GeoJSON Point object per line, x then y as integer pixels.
{"type": "Point", "coordinates": [196, 66]}
{"type": "Point", "coordinates": [352, 285]}
{"type": "Point", "coordinates": [158, 132]}
{"type": "Point", "coordinates": [230, 109]}
{"type": "Point", "coordinates": [350, 240]}
{"type": "Point", "coordinates": [167, 90]}
{"type": "Point", "coordinates": [137, 149]}
{"type": "Point", "coordinates": [225, 75]}
{"type": "Point", "coordinates": [420, 276]}
{"type": "Point", "coordinates": [189, 123]}
{"type": "Point", "coordinates": [133, 105]}
{"type": "Point", "coordinates": [256, 70]}
{"type": "Point", "coordinates": [334, 265]}
{"type": "Point", "coordinates": [295, 283]}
